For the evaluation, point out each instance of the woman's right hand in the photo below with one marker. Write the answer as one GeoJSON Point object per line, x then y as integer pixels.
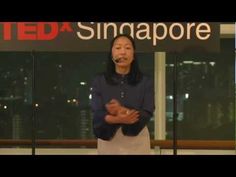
{"type": "Point", "coordinates": [113, 107]}
{"type": "Point", "coordinates": [120, 114]}
{"type": "Point", "coordinates": [126, 116]}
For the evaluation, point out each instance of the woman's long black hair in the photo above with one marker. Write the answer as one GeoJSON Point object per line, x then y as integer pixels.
{"type": "Point", "coordinates": [134, 76]}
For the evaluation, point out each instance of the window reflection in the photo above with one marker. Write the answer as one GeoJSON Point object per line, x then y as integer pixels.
{"type": "Point", "coordinates": [205, 94]}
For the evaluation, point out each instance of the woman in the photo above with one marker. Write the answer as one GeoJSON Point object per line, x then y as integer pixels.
{"type": "Point", "coordinates": [122, 102]}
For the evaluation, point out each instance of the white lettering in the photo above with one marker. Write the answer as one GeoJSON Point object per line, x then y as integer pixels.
{"type": "Point", "coordinates": [145, 31]}
{"type": "Point", "coordinates": [130, 27]}
{"type": "Point", "coordinates": [99, 31]}
{"type": "Point", "coordinates": [203, 29]}
{"type": "Point", "coordinates": [85, 28]}
{"type": "Point", "coordinates": [171, 31]}
{"type": "Point", "coordinates": [106, 25]}
{"type": "Point", "coordinates": [189, 26]}
{"type": "Point", "coordinates": [155, 36]}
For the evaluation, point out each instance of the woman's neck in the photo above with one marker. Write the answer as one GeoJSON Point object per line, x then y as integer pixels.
{"type": "Point", "coordinates": [123, 71]}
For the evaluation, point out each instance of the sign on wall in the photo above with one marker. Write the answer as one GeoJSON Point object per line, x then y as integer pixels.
{"type": "Point", "coordinates": [96, 36]}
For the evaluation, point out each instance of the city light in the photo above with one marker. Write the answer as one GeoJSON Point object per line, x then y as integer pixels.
{"type": "Point", "coordinates": [82, 83]}
{"type": "Point", "coordinates": [186, 95]}
{"type": "Point", "coordinates": [212, 63]}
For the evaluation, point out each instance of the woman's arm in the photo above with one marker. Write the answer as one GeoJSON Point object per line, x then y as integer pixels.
{"type": "Point", "coordinates": [119, 114]}
{"type": "Point", "coordinates": [145, 112]}
{"type": "Point", "coordinates": [124, 116]}
{"type": "Point", "coordinates": [102, 129]}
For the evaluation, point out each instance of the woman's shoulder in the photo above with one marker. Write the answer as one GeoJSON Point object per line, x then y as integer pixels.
{"type": "Point", "coordinates": [147, 81]}
{"type": "Point", "coordinates": [98, 78]}
{"type": "Point", "coordinates": [147, 77]}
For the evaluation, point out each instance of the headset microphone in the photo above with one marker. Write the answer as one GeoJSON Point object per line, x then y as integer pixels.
{"type": "Point", "coordinates": [117, 60]}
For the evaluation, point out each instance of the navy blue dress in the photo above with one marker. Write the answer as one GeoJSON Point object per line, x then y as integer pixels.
{"type": "Point", "coordinates": [139, 97]}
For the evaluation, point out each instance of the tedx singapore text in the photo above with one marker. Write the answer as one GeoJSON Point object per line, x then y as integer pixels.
{"type": "Point", "coordinates": [154, 32]}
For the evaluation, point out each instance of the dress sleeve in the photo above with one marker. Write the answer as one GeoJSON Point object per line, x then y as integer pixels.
{"type": "Point", "coordinates": [146, 111]}
{"type": "Point", "coordinates": [101, 128]}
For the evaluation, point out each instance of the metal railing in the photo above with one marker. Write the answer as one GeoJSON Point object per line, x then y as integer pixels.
{"type": "Point", "coordinates": [92, 143]}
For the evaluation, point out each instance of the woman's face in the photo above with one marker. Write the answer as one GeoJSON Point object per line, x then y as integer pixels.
{"type": "Point", "coordinates": [123, 51]}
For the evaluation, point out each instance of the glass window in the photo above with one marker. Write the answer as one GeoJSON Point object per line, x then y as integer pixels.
{"type": "Point", "coordinates": [205, 89]}
{"type": "Point", "coordinates": [15, 95]}
{"type": "Point", "coordinates": [63, 82]}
